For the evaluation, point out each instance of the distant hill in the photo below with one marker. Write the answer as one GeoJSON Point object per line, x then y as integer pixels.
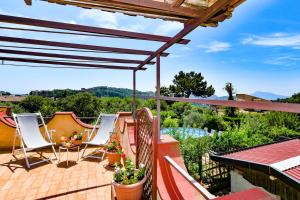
{"type": "Point", "coordinates": [100, 91]}
{"type": "Point", "coordinates": [268, 95]}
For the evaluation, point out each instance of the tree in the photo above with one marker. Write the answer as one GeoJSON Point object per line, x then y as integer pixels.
{"type": "Point", "coordinates": [185, 84]}
{"type": "Point", "coordinates": [230, 111]}
{"type": "Point", "coordinates": [82, 104]}
{"type": "Point", "coordinates": [295, 98]}
{"type": "Point", "coordinates": [32, 103]}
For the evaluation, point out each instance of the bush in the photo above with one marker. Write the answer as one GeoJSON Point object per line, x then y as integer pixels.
{"type": "Point", "coordinates": [205, 119]}
{"type": "Point", "coordinates": [170, 123]}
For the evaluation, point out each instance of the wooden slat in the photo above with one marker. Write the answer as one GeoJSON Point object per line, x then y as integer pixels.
{"type": "Point", "coordinates": [76, 57]}
{"type": "Point", "coordinates": [28, 2]}
{"type": "Point", "coordinates": [52, 62]}
{"type": "Point", "coordinates": [272, 106]}
{"type": "Point", "coordinates": [178, 3]}
{"type": "Point", "coordinates": [76, 46]}
{"type": "Point", "coordinates": [142, 6]}
{"type": "Point", "coordinates": [86, 29]}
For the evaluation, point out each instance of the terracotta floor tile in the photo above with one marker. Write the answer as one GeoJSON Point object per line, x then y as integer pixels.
{"type": "Point", "coordinates": [83, 180]}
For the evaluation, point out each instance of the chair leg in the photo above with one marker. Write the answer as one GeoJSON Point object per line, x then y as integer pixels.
{"type": "Point", "coordinates": [82, 155]}
{"type": "Point", "coordinates": [103, 155]}
{"type": "Point", "coordinates": [14, 145]}
{"type": "Point", "coordinates": [26, 158]}
{"type": "Point", "coordinates": [54, 152]}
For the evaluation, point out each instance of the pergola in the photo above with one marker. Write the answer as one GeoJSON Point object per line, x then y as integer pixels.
{"type": "Point", "coordinates": [190, 12]}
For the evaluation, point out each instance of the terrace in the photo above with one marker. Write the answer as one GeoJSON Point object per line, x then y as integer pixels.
{"type": "Point", "coordinates": [167, 177]}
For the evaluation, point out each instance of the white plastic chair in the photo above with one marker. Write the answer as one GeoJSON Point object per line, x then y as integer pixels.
{"type": "Point", "coordinates": [102, 135]}
{"type": "Point", "coordinates": [31, 139]}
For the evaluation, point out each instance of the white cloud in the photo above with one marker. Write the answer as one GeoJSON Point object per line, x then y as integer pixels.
{"type": "Point", "coordinates": [168, 27]}
{"type": "Point", "coordinates": [101, 18]}
{"type": "Point", "coordinates": [215, 46]}
{"type": "Point", "coordinates": [286, 61]}
{"type": "Point", "coordinates": [110, 20]}
{"type": "Point", "coordinates": [274, 40]}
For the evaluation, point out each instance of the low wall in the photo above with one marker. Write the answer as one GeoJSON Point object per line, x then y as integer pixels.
{"type": "Point", "coordinates": [125, 129]}
{"type": "Point", "coordinates": [65, 123]}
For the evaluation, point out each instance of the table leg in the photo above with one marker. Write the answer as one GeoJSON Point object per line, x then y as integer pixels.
{"type": "Point", "coordinates": [67, 156]}
{"type": "Point", "coordinates": [78, 153]}
{"type": "Point", "coordinates": [59, 155]}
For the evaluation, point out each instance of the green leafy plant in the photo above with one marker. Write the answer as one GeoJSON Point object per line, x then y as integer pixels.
{"type": "Point", "coordinates": [76, 136]}
{"type": "Point", "coordinates": [114, 147]}
{"type": "Point", "coordinates": [128, 174]}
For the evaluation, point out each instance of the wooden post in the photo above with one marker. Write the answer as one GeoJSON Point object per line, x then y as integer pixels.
{"type": "Point", "coordinates": [156, 129]}
{"type": "Point", "coordinates": [158, 92]}
{"type": "Point", "coordinates": [134, 96]}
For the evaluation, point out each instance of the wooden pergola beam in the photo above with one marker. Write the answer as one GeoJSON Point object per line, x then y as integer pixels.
{"type": "Point", "coordinates": [28, 2]}
{"type": "Point", "coordinates": [86, 29]}
{"type": "Point", "coordinates": [72, 64]}
{"type": "Point", "coordinates": [189, 26]}
{"type": "Point", "coordinates": [76, 46]}
{"type": "Point", "coordinates": [75, 57]}
{"type": "Point", "coordinates": [136, 6]}
{"type": "Point", "coordinates": [177, 3]}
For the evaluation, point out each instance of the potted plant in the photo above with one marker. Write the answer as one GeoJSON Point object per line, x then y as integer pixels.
{"type": "Point", "coordinates": [113, 153]}
{"type": "Point", "coordinates": [128, 182]}
{"type": "Point", "coordinates": [76, 138]}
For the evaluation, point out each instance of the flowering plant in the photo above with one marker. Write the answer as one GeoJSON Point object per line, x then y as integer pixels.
{"type": "Point", "coordinates": [114, 147]}
{"type": "Point", "coordinates": [128, 175]}
{"type": "Point", "coordinates": [76, 136]}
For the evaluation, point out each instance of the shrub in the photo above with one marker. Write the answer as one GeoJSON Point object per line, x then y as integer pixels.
{"type": "Point", "coordinates": [170, 123]}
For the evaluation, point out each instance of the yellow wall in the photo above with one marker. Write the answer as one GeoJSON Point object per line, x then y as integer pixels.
{"type": "Point", "coordinates": [65, 123]}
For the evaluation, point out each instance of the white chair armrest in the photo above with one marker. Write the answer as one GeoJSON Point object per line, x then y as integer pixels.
{"type": "Point", "coordinates": [89, 134]}
{"type": "Point", "coordinates": [51, 134]}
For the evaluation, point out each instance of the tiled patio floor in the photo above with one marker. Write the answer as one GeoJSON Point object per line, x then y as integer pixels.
{"type": "Point", "coordinates": [87, 179]}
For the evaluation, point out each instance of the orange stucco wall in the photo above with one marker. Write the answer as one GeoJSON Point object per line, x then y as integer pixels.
{"type": "Point", "coordinates": [65, 123]}
{"type": "Point", "coordinates": [124, 130]}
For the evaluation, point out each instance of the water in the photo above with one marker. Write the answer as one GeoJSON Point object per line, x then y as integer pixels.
{"type": "Point", "coordinates": [196, 132]}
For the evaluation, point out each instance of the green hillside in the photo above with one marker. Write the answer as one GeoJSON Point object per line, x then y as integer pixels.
{"type": "Point", "coordinates": [100, 91]}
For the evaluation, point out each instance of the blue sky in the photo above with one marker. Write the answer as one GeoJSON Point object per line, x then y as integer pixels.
{"type": "Point", "coordinates": [258, 49]}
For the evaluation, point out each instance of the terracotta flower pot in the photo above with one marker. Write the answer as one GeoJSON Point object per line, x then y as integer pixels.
{"type": "Point", "coordinates": [129, 192]}
{"type": "Point", "coordinates": [113, 158]}
{"type": "Point", "coordinates": [77, 142]}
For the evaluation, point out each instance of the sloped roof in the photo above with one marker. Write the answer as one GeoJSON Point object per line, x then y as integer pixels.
{"type": "Point", "coordinates": [281, 159]}
{"type": "Point", "coordinates": [177, 10]}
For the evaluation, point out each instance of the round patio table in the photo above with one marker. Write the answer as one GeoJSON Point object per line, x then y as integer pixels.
{"type": "Point", "coordinates": [66, 148]}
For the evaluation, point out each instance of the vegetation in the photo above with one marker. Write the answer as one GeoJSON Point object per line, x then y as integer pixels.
{"type": "Point", "coordinates": [230, 111]}
{"type": "Point", "coordinates": [295, 98]}
{"type": "Point", "coordinates": [101, 91]}
{"type": "Point", "coordinates": [253, 129]}
{"type": "Point", "coordinates": [4, 93]}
